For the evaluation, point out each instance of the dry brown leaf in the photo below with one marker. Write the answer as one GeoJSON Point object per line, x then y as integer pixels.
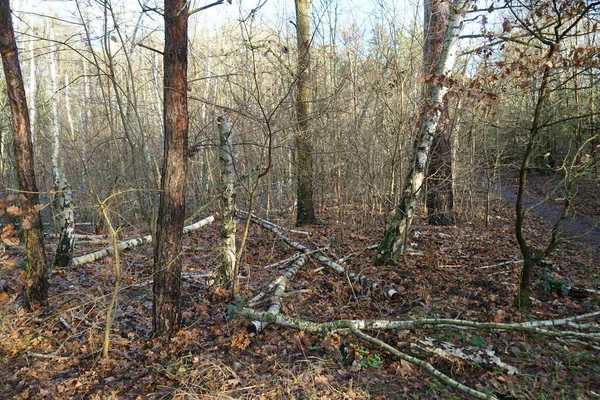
{"type": "Point", "coordinates": [27, 223]}
{"type": "Point", "coordinates": [11, 241]}
{"type": "Point", "coordinates": [14, 211]}
{"type": "Point", "coordinates": [8, 230]}
{"type": "Point", "coordinates": [405, 368]}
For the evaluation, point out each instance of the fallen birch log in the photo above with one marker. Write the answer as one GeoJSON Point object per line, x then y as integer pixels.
{"type": "Point", "coordinates": [364, 280]}
{"type": "Point", "coordinates": [127, 244]}
{"type": "Point", "coordinates": [356, 327]}
{"type": "Point", "coordinates": [449, 351]}
{"type": "Point", "coordinates": [430, 369]}
{"type": "Point", "coordinates": [258, 325]}
{"type": "Point", "coordinates": [430, 323]}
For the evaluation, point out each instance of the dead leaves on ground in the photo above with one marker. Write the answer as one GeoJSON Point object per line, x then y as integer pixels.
{"type": "Point", "coordinates": [212, 354]}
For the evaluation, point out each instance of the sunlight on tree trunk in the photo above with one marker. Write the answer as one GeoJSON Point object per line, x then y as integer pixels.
{"type": "Point", "coordinates": [228, 268]}
{"type": "Point", "coordinates": [63, 198]}
{"type": "Point", "coordinates": [305, 203]}
{"type": "Point", "coordinates": [392, 245]}
{"type": "Point", "coordinates": [440, 198]}
{"type": "Point", "coordinates": [37, 273]}
{"type": "Point", "coordinates": [171, 215]}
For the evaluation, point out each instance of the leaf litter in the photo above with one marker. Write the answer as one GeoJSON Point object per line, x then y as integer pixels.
{"type": "Point", "coordinates": [467, 272]}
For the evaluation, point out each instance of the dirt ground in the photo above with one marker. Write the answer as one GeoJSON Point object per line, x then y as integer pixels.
{"type": "Point", "coordinates": [463, 272]}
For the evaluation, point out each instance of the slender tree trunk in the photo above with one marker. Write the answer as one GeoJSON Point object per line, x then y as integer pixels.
{"type": "Point", "coordinates": [305, 204]}
{"type": "Point", "coordinates": [83, 123]}
{"type": "Point", "coordinates": [227, 269]}
{"type": "Point", "coordinates": [32, 89]}
{"type": "Point", "coordinates": [531, 255]}
{"type": "Point", "coordinates": [440, 198]}
{"type": "Point", "coordinates": [157, 98]}
{"type": "Point", "coordinates": [171, 214]}
{"type": "Point", "coordinates": [37, 273]}
{"type": "Point", "coordinates": [392, 245]}
{"type": "Point", "coordinates": [63, 198]}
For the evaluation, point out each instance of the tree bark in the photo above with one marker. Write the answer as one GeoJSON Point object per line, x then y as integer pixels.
{"type": "Point", "coordinates": [63, 198]}
{"type": "Point", "coordinates": [36, 265]}
{"type": "Point", "coordinates": [171, 214]}
{"type": "Point", "coordinates": [305, 210]}
{"type": "Point", "coordinates": [392, 245]}
{"type": "Point", "coordinates": [531, 255]}
{"type": "Point", "coordinates": [440, 198]}
{"type": "Point", "coordinates": [227, 270]}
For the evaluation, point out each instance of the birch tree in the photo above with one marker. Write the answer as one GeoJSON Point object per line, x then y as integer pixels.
{"type": "Point", "coordinates": [392, 244]}
{"type": "Point", "coordinates": [63, 198]}
{"type": "Point", "coordinates": [36, 265]}
{"type": "Point", "coordinates": [227, 270]}
{"type": "Point", "coordinates": [440, 198]}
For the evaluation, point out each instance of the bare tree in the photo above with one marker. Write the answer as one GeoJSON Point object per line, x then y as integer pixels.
{"type": "Point", "coordinates": [439, 198]}
{"type": "Point", "coordinates": [37, 273]}
{"type": "Point", "coordinates": [171, 214]}
{"type": "Point", "coordinates": [392, 244]}
{"type": "Point", "coordinates": [63, 198]}
{"type": "Point", "coordinates": [558, 25]}
{"type": "Point", "coordinates": [305, 204]}
{"type": "Point", "coordinates": [228, 267]}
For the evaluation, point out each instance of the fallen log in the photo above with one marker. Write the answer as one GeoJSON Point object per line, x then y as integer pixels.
{"type": "Point", "coordinates": [364, 280]}
{"type": "Point", "coordinates": [475, 355]}
{"type": "Point", "coordinates": [257, 325]}
{"type": "Point", "coordinates": [535, 327]}
{"type": "Point", "coordinates": [127, 244]}
{"type": "Point", "coordinates": [356, 327]}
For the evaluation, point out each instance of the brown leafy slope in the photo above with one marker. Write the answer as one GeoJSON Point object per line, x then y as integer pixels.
{"type": "Point", "coordinates": [214, 357]}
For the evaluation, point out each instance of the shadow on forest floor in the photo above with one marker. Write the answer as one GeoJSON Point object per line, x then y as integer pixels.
{"type": "Point", "coordinates": [583, 223]}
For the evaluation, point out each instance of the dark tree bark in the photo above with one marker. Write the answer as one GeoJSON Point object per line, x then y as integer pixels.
{"type": "Point", "coordinates": [167, 252]}
{"type": "Point", "coordinates": [305, 204]}
{"type": "Point", "coordinates": [37, 273]}
{"type": "Point", "coordinates": [440, 199]}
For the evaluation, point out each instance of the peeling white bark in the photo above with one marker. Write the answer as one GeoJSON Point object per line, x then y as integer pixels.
{"type": "Point", "coordinates": [227, 269]}
{"type": "Point", "coordinates": [392, 245]}
{"type": "Point", "coordinates": [127, 244]}
{"type": "Point", "coordinates": [63, 198]}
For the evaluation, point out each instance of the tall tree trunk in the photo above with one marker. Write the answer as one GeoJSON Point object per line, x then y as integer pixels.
{"type": "Point", "coordinates": [32, 88]}
{"type": "Point", "coordinates": [171, 214]}
{"type": "Point", "coordinates": [37, 273]}
{"type": "Point", "coordinates": [392, 245]}
{"type": "Point", "coordinates": [304, 170]}
{"type": "Point", "coordinates": [63, 199]}
{"type": "Point", "coordinates": [440, 199]}
{"type": "Point", "coordinates": [227, 270]}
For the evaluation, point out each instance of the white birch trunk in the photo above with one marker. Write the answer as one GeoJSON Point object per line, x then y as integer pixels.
{"type": "Point", "coordinates": [227, 270]}
{"type": "Point", "coordinates": [257, 326]}
{"type": "Point", "coordinates": [392, 245]}
{"type": "Point", "coordinates": [63, 199]}
{"type": "Point", "coordinates": [83, 122]}
{"type": "Point", "coordinates": [68, 107]}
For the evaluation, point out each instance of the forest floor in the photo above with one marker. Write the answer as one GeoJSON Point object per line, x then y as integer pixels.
{"type": "Point", "coordinates": [457, 272]}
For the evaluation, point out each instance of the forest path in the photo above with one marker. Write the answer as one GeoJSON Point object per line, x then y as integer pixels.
{"type": "Point", "coordinates": [578, 227]}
